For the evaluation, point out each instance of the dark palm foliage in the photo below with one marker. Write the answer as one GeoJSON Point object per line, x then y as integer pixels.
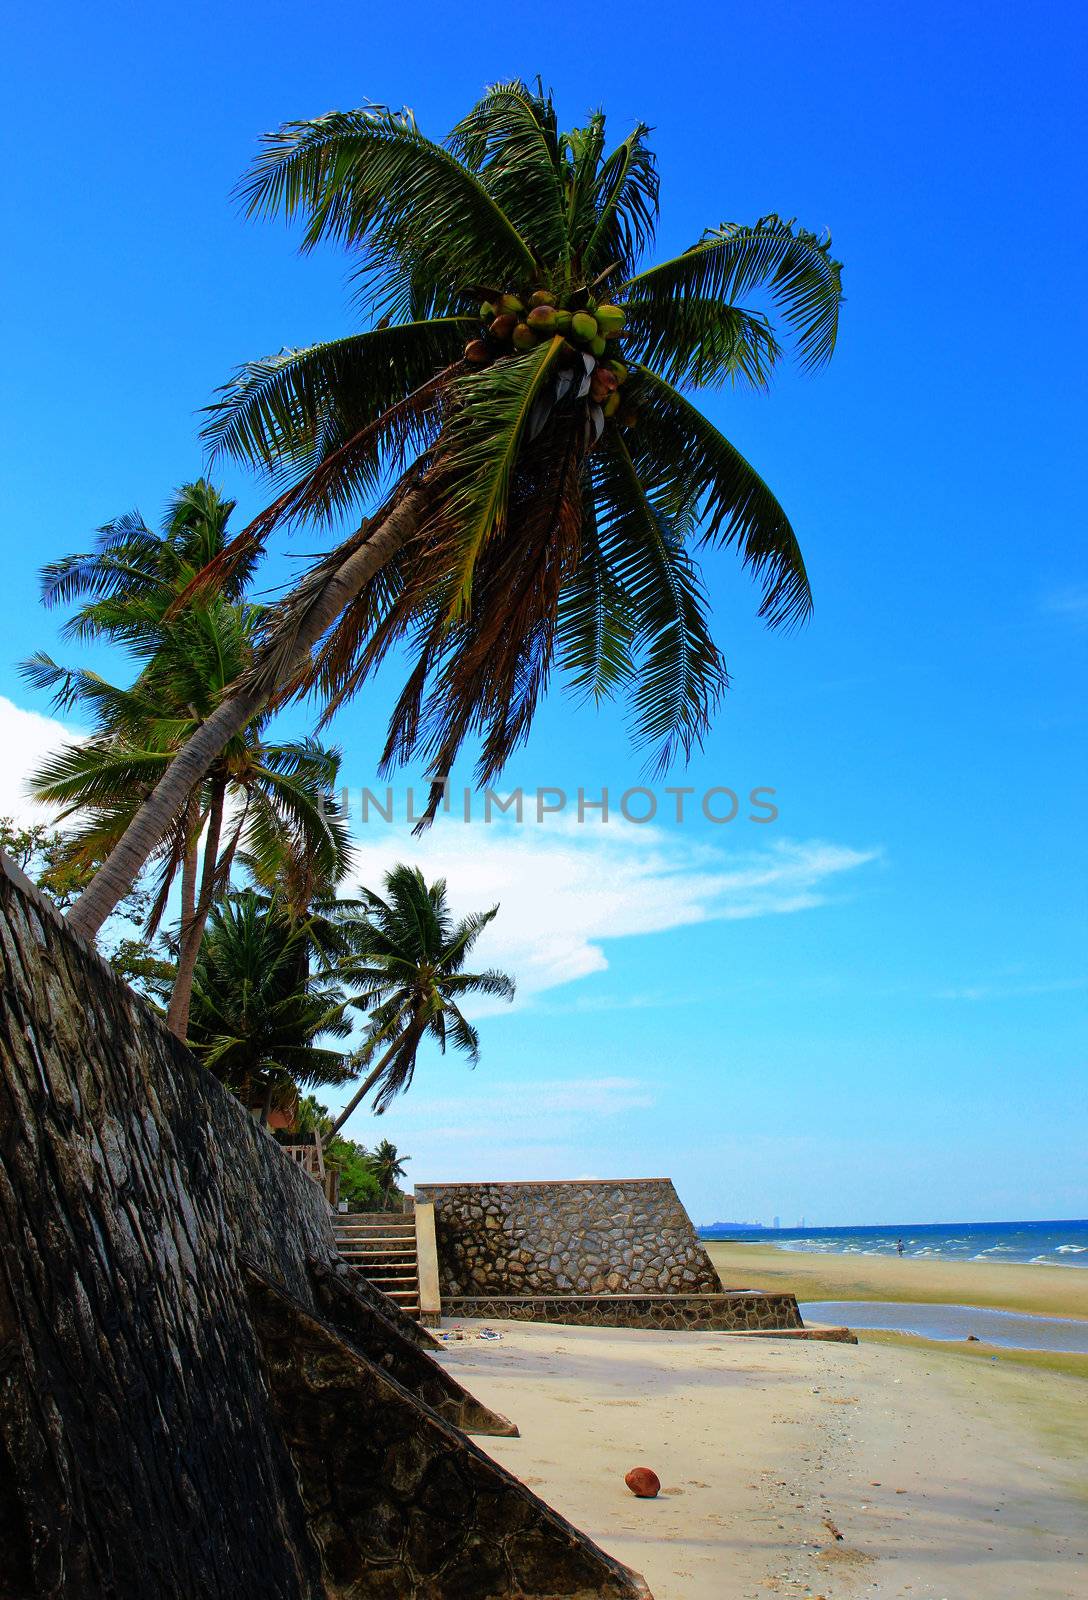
{"type": "Point", "coordinates": [257, 1013]}
{"type": "Point", "coordinates": [408, 975]}
{"type": "Point", "coordinates": [268, 801]}
{"type": "Point", "coordinates": [550, 529]}
{"type": "Point", "coordinates": [530, 502]}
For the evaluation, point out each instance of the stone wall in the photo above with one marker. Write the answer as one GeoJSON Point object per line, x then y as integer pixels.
{"type": "Point", "coordinates": [631, 1236]}
{"type": "Point", "coordinates": [736, 1311]}
{"type": "Point", "coordinates": [196, 1396]}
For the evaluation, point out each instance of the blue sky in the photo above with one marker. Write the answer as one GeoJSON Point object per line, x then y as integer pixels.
{"type": "Point", "coordinates": [874, 1009]}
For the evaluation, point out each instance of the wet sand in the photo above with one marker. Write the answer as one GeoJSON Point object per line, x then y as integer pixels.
{"type": "Point", "coordinates": [1004, 1330]}
{"type": "Point", "coordinates": [945, 1475]}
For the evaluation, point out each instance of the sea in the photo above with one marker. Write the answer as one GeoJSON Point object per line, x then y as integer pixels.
{"type": "Point", "coordinates": [1052, 1244]}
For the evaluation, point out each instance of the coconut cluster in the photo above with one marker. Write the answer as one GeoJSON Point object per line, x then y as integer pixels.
{"type": "Point", "coordinates": [586, 326]}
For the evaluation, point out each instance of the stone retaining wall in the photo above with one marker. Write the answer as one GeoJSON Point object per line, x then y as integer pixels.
{"type": "Point", "coordinates": [743, 1311]}
{"type": "Point", "coordinates": [630, 1236]}
{"type": "Point", "coordinates": [197, 1398]}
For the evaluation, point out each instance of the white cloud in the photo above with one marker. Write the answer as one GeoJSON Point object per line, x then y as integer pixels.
{"type": "Point", "coordinates": [1012, 990]}
{"type": "Point", "coordinates": [565, 890]}
{"type": "Point", "coordinates": [26, 738]}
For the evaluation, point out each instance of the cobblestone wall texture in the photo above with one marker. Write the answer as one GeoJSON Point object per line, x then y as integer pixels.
{"type": "Point", "coordinates": [742, 1311]}
{"type": "Point", "coordinates": [631, 1236]}
{"type": "Point", "coordinates": [154, 1425]}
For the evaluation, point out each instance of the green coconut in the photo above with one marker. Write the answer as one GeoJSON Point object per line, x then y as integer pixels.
{"type": "Point", "coordinates": [611, 405]}
{"type": "Point", "coordinates": [562, 321]}
{"type": "Point", "coordinates": [503, 326]}
{"type": "Point", "coordinates": [610, 319]}
{"type": "Point", "coordinates": [597, 345]}
{"type": "Point", "coordinates": [487, 311]}
{"type": "Point", "coordinates": [524, 337]}
{"type": "Point", "coordinates": [542, 319]}
{"type": "Point", "coordinates": [620, 371]}
{"type": "Point", "coordinates": [542, 297]}
{"type": "Point", "coordinates": [583, 326]}
{"type": "Point", "coordinates": [510, 302]}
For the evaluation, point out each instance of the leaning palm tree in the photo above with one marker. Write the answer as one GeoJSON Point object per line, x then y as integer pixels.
{"type": "Point", "coordinates": [410, 966]}
{"type": "Point", "coordinates": [268, 800]}
{"type": "Point", "coordinates": [516, 420]}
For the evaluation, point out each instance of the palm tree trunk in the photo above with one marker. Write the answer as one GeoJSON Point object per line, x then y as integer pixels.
{"type": "Point", "coordinates": [192, 933]}
{"type": "Point", "coordinates": [361, 1092]}
{"type": "Point", "coordinates": [190, 859]}
{"type": "Point", "coordinates": [119, 872]}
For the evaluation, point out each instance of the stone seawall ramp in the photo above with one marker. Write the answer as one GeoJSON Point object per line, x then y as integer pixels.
{"type": "Point", "coordinates": [195, 1397]}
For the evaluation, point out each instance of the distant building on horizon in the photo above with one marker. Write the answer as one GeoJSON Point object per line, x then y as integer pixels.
{"type": "Point", "coordinates": [774, 1222]}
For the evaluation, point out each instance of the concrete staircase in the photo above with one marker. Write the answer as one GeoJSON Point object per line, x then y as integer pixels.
{"type": "Point", "coordinates": [383, 1248]}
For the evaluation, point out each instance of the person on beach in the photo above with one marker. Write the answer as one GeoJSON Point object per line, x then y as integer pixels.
{"type": "Point", "coordinates": [899, 1247]}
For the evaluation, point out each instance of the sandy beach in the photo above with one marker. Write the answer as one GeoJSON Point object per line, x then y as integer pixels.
{"type": "Point", "coordinates": [799, 1468]}
{"type": "Point", "coordinates": [1040, 1290]}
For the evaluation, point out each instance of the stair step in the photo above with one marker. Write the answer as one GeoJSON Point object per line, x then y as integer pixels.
{"type": "Point", "coordinates": [383, 1251]}
{"type": "Point", "coordinates": [376, 1241]}
{"type": "Point", "coordinates": [366, 1264]}
{"type": "Point", "coordinates": [398, 1224]}
{"type": "Point", "coordinates": [362, 1236]}
{"type": "Point", "coordinates": [379, 1258]}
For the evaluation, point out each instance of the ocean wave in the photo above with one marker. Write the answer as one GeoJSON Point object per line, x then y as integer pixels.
{"type": "Point", "coordinates": [1060, 1244]}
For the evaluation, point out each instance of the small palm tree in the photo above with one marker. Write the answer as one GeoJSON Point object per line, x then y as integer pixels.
{"type": "Point", "coordinates": [267, 800]}
{"type": "Point", "coordinates": [410, 964]}
{"type": "Point", "coordinates": [516, 417]}
{"type": "Point", "coordinates": [256, 1013]}
{"type": "Point", "coordinates": [387, 1165]}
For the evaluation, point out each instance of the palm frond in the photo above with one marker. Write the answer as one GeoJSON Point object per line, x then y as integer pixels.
{"type": "Point", "coordinates": [795, 267]}
{"type": "Point", "coordinates": [582, 149]}
{"type": "Point", "coordinates": [679, 675]}
{"type": "Point", "coordinates": [492, 412]}
{"type": "Point", "coordinates": [370, 179]}
{"type": "Point", "coordinates": [291, 411]}
{"type": "Point", "coordinates": [702, 342]}
{"type": "Point", "coordinates": [596, 626]}
{"type": "Point", "coordinates": [510, 141]}
{"type": "Point", "coordinates": [733, 503]}
{"type": "Point", "coordinates": [625, 199]}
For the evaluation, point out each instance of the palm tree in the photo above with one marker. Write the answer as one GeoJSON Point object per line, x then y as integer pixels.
{"type": "Point", "coordinates": [269, 799]}
{"type": "Point", "coordinates": [410, 965]}
{"type": "Point", "coordinates": [516, 416]}
{"type": "Point", "coordinates": [256, 1014]}
{"type": "Point", "coordinates": [387, 1165]}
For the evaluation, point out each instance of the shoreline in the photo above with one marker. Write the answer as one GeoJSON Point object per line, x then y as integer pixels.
{"type": "Point", "coordinates": [1041, 1291]}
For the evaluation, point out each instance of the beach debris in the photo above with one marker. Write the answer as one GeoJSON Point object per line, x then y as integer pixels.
{"type": "Point", "coordinates": [643, 1482]}
{"type": "Point", "coordinates": [484, 1335]}
{"type": "Point", "coordinates": [832, 1529]}
{"type": "Point", "coordinates": [973, 1338]}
